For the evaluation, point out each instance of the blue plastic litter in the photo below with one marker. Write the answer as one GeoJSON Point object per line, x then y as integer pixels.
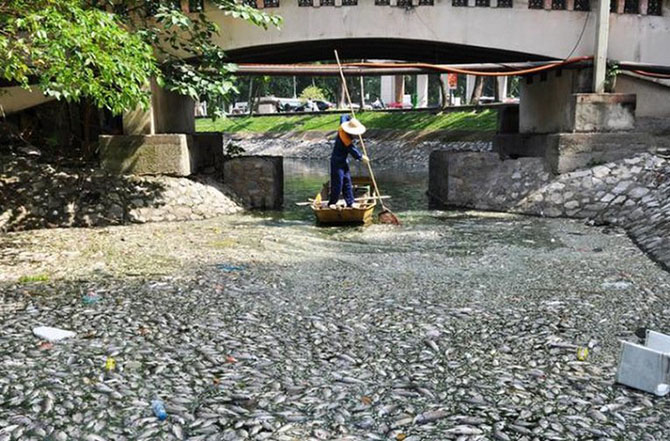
{"type": "Point", "coordinates": [229, 268]}
{"type": "Point", "coordinates": [159, 409]}
{"type": "Point", "coordinates": [90, 299]}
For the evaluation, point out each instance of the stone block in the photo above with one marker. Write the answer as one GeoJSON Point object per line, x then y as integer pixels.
{"type": "Point", "coordinates": [146, 154]}
{"type": "Point", "coordinates": [258, 181]}
{"type": "Point", "coordinates": [605, 112]}
{"type": "Point", "coordinates": [481, 179]}
{"type": "Point", "coordinates": [566, 152]}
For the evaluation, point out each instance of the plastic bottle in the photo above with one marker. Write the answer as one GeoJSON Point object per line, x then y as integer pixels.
{"type": "Point", "coordinates": [159, 409]}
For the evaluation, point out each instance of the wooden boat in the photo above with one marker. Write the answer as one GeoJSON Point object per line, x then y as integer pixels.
{"type": "Point", "coordinates": [362, 214]}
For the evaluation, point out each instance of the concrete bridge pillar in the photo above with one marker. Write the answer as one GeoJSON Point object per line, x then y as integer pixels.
{"type": "Point", "coordinates": [501, 90]}
{"type": "Point", "coordinates": [387, 92]}
{"type": "Point", "coordinates": [160, 139]}
{"type": "Point", "coordinates": [469, 88]}
{"type": "Point", "coordinates": [168, 112]}
{"type": "Point", "coordinates": [422, 90]}
{"type": "Point", "coordinates": [563, 121]}
{"type": "Point", "coordinates": [399, 86]}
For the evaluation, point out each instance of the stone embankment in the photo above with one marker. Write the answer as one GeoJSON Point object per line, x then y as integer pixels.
{"type": "Point", "coordinates": [388, 148]}
{"type": "Point", "coordinates": [633, 193]}
{"type": "Point", "coordinates": [35, 195]}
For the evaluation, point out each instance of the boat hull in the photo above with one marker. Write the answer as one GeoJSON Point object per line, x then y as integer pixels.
{"type": "Point", "coordinates": [344, 216]}
{"type": "Point", "coordinates": [362, 215]}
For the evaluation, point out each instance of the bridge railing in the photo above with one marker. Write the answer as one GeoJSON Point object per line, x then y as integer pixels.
{"type": "Point", "coordinates": [641, 7]}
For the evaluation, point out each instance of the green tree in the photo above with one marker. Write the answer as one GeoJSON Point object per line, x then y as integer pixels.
{"type": "Point", "coordinates": [313, 93]}
{"type": "Point", "coordinates": [106, 50]}
{"type": "Point", "coordinates": [72, 52]}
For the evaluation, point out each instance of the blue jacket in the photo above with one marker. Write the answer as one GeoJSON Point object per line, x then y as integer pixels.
{"type": "Point", "coordinates": [341, 151]}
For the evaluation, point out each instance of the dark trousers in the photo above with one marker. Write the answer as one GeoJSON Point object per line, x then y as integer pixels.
{"type": "Point", "coordinates": [340, 182]}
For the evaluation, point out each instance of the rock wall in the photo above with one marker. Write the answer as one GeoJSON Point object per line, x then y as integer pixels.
{"type": "Point", "coordinates": [258, 181]}
{"type": "Point", "coordinates": [34, 195]}
{"type": "Point", "coordinates": [633, 193]}
{"type": "Point", "coordinates": [400, 149]}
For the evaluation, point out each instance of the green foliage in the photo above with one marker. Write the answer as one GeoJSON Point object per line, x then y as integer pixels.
{"type": "Point", "coordinates": [611, 74]}
{"type": "Point", "coordinates": [467, 121]}
{"type": "Point", "coordinates": [74, 52]}
{"type": "Point", "coordinates": [34, 278]}
{"type": "Point", "coordinates": [106, 50]}
{"type": "Point", "coordinates": [312, 93]}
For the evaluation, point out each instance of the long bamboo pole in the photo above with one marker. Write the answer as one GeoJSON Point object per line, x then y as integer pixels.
{"type": "Point", "coordinates": [360, 138]}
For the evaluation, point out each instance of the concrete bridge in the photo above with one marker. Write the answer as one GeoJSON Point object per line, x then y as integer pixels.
{"type": "Point", "coordinates": [447, 31]}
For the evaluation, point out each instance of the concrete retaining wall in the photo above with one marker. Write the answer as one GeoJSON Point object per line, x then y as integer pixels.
{"type": "Point", "coordinates": [633, 193]}
{"type": "Point", "coordinates": [653, 95]}
{"type": "Point", "coordinates": [147, 154]}
{"type": "Point", "coordinates": [258, 181]}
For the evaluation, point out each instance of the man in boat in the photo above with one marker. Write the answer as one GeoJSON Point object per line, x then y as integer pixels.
{"type": "Point", "coordinates": [340, 175]}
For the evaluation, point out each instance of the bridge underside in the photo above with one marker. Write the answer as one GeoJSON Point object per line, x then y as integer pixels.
{"type": "Point", "coordinates": [376, 48]}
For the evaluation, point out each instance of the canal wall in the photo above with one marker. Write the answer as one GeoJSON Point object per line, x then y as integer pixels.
{"type": "Point", "coordinates": [39, 195]}
{"type": "Point", "coordinates": [388, 148]}
{"type": "Point", "coordinates": [633, 193]}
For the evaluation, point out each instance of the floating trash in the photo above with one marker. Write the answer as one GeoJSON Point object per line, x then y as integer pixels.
{"type": "Point", "coordinates": [45, 346]}
{"type": "Point", "coordinates": [110, 364]}
{"type": "Point", "coordinates": [229, 268]}
{"type": "Point", "coordinates": [582, 353]}
{"type": "Point", "coordinates": [52, 334]}
{"type": "Point", "coordinates": [646, 367]}
{"type": "Point", "coordinates": [159, 409]}
{"type": "Point", "coordinates": [91, 298]}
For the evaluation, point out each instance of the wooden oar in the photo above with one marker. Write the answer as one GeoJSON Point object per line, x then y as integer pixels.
{"type": "Point", "coordinates": [386, 216]}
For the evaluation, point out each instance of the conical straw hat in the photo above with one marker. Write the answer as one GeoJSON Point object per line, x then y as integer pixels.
{"type": "Point", "coordinates": [353, 127]}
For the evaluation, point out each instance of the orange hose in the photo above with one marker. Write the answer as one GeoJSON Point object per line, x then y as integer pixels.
{"type": "Point", "coordinates": [440, 68]}
{"type": "Point", "coordinates": [651, 74]}
{"type": "Point", "coordinates": [474, 72]}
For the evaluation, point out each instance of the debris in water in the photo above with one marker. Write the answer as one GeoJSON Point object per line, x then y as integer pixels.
{"type": "Point", "coordinates": [229, 268]}
{"type": "Point", "coordinates": [52, 334]}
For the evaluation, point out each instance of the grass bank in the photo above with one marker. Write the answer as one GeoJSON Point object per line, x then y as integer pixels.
{"type": "Point", "coordinates": [468, 121]}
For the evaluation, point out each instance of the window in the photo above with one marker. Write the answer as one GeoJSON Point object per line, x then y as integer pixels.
{"type": "Point", "coordinates": [251, 3]}
{"type": "Point", "coordinates": [404, 3]}
{"type": "Point", "coordinates": [483, 3]}
{"type": "Point", "coordinates": [305, 3]}
{"type": "Point", "coordinates": [426, 2]}
{"type": "Point", "coordinates": [327, 2]}
{"type": "Point", "coordinates": [558, 5]}
{"type": "Point", "coordinates": [582, 5]}
{"type": "Point", "coordinates": [349, 2]}
{"type": "Point", "coordinates": [504, 3]}
{"type": "Point", "coordinates": [271, 3]}
{"type": "Point", "coordinates": [654, 7]}
{"type": "Point", "coordinates": [535, 4]}
{"type": "Point", "coordinates": [459, 2]}
{"type": "Point", "coordinates": [631, 7]}
{"type": "Point", "coordinates": [382, 2]}
{"type": "Point", "coordinates": [614, 6]}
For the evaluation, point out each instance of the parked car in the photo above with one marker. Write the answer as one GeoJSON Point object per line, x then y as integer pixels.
{"type": "Point", "coordinates": [323, 105]}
